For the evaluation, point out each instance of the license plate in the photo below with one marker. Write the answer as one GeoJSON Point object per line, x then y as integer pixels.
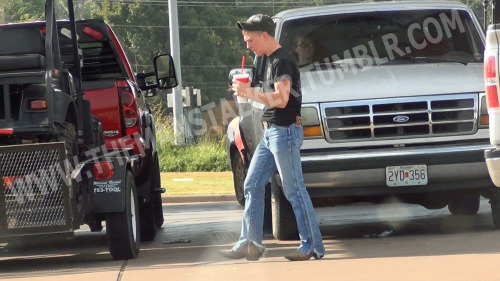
{"type": "Point", "coordinates": [406, 175]}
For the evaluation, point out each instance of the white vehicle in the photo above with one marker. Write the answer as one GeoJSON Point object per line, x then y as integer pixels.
{"type": "Point", "coordinates": [491, 80]}
{"type": "Point", "coordinates": [397, 107]}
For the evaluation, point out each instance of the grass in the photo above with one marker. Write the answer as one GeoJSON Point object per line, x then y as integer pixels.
{"type": "Point", "coordinates": [197, 183]}
{"type": "Point", "coordinates": [198, 169]}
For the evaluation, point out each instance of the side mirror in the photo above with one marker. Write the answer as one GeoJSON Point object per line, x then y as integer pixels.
{"type": "Point", "coordinates": [151, 93]}
{"type": "Point", "coordinates": [147, 83]}
{"type": "Point", "coordinates": [234, 71]}
{"type": "Point", "coordinates": [165, 72]}
{"type": "Point", "coordinates": [141, 80]}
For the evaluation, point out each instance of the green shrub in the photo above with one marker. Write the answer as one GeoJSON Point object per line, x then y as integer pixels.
{"type": "Point", "coordinates": [207, 155]}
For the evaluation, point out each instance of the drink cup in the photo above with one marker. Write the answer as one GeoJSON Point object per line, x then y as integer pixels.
{"type": "Point", "coordinates": [242, 99]}
{"type": "Point", "coordinates": [245, 78]}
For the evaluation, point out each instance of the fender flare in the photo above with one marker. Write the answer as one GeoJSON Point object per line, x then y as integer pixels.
{"type": "Point", "coordinates": [236, 138]}
{"type": "Point", "coordinates": [65, 107]}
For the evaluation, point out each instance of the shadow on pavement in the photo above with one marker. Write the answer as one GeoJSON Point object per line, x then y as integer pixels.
{"type": "Point", "coordinates": [193, 235]}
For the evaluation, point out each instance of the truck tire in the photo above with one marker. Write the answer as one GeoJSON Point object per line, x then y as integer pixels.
{"type": "Point", "coordinates": [239, 175]}
{"type": "Point", "coordinates": [495, 206]}
{"type": "Point", "coordinates": [122, 228]}
{"type": "Point", "coordinates": [66, 133]}
{"type": "Point", "coordinates": [464, 204]}
{"type": "Point", "coordinates": [147, 221]}
{"type": "Point", "coordinates": [284, 222]}
{"type": "Point", "coordinates": [151, 213]}
{"type": "Point", "coordinates": [268, 213]}
{"type": "Point", "coordinates": [158, 210]}
{"type": "Point", "coordinates": [156, 196]}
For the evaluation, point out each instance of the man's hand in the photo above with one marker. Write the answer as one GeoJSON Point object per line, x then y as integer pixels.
{"type": "Point", "coordinates": [278, 98]}
{"type": "Point", "coordinates": [241, 89]}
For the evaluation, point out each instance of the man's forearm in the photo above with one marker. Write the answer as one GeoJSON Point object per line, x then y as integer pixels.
{"type": "Point", "coordinates": [273, 99]}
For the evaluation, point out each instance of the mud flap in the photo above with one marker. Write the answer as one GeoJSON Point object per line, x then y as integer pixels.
{"type": "Point", "coordinates": [109, 193]}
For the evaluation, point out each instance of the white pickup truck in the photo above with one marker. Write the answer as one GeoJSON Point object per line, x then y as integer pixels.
{"type": "Point", "coordinates": [491, 75]}
{"type": "Point", "coordinates": [395, 107]}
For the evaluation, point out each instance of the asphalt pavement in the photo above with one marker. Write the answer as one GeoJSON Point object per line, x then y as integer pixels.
{"type": "Point", "coordinates": [196, 198]}
{"type": "Point", "coordinates": [425, 245]}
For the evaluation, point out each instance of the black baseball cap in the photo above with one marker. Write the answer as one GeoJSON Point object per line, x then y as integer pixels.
{"type": "Point", "coordinates": [258, 22]}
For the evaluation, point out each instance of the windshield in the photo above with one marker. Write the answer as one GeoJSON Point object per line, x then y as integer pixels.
{"type": "Point", "coordinates": [384, 37]}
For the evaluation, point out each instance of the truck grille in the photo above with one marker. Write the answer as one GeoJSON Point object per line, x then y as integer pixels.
{"type": "Point", "coordinates": [33, 191]}
{"type": "Point", "coordinates": [400, 118]}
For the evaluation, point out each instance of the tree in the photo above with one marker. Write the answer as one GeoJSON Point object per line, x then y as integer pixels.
{"type": "Point", "coordinates": [21, 11]}
{"type": "Point", "coordinates": [210, 42]}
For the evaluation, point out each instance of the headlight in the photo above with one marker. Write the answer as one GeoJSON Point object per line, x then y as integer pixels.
{"type": "Point", "coordinates": [484, 120]}
{"type": "Point", "coordinates": [310, 123]}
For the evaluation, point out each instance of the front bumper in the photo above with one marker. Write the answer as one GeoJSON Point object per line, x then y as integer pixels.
{"type": "Point", "coordinates": [492, 157]}
{"type": "Point", "coordinates": [363, 173]}
{"type": "Point", "coordinates": [26, 130]}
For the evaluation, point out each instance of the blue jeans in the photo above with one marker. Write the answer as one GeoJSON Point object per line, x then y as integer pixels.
{"type": "Point", "coordinates": [279, 149]}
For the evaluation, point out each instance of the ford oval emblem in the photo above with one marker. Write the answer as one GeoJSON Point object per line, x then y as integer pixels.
{"type": "Point", "coordinates": [401, 119]}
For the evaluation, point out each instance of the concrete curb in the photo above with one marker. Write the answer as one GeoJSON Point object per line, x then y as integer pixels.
{"type": "Point", "coordinates": [195, 199]}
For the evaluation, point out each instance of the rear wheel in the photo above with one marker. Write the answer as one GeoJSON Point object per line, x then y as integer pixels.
{"type": "Point", "coordinates": [495, 206]}
{"type": "Point", "coordinates": [122, 228]}
{"type": "Point", "coordinates": [156, 196]}
{"type": "Point", "coordinates": [66, 133]}
{"type": "Point", "coordinates": [464, 203]}
{"type": "Point", "coordinates": [151, 213]}
{"type": "Point", "coordinates": [284, 223]}
{"type": "Point", "coordinates": [268, 213]}
{"type": "Point", "coordinates": [147, 222]}
{"type": "Point", "coordinates": [239, 174]}
{"type": "Point", "coordinates": [158, 210]}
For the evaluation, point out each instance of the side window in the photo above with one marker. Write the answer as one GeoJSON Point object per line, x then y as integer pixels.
{"type": "Point", "coordinates": [475, 39]}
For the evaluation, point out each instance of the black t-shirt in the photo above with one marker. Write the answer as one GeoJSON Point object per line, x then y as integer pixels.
{"type": "Point", "coordinates": [282, 65]}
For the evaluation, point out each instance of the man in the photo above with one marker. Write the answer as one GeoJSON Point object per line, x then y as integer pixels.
{"type": "Point", "coordinates": [279, 148]}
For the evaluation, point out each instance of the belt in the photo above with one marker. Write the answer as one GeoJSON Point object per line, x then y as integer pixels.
{"type": "Point", "coordinates": [267, 124]}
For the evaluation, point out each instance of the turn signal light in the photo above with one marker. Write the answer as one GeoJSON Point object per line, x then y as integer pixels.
{"type": "Point", "coordinates": [38, 104]}
{"type": "Point", "coordinates": [312, 131]}
{"type": "Point", "coordinates": [103, 170]}
{"type": "Point", "coordinates": [485, 120]}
